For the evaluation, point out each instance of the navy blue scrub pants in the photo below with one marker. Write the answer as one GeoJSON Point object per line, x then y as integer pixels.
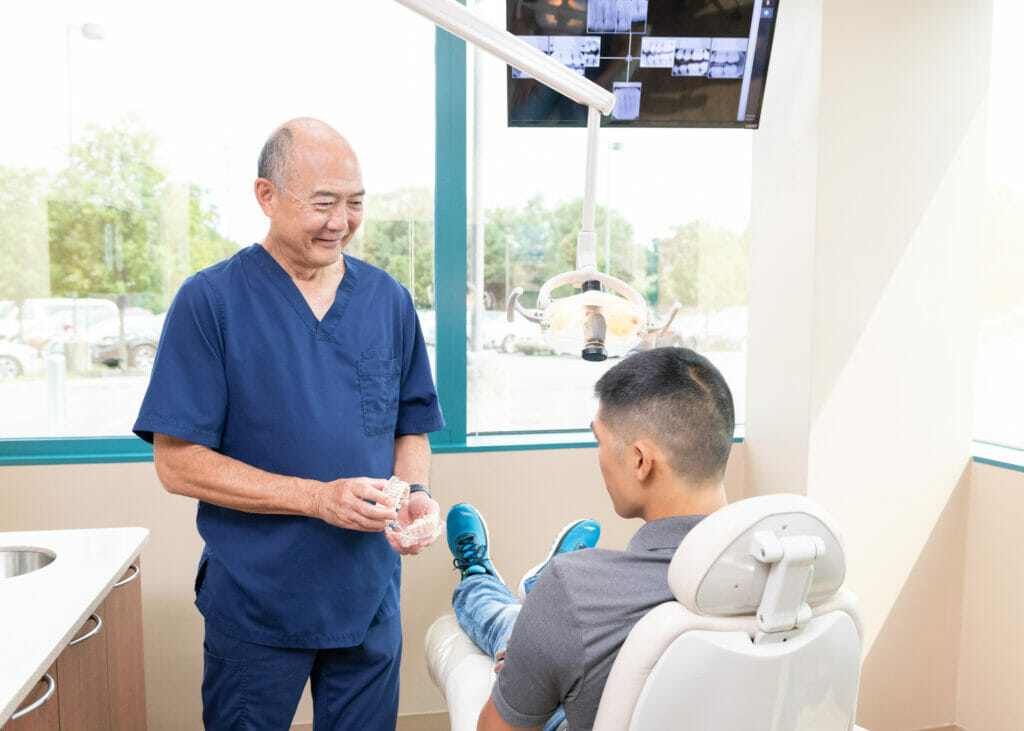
{"type": "Point", "coordinates": [254, 687]}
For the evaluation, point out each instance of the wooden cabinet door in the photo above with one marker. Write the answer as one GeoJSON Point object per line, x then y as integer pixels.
{"type": "Point", "coordinates": [125, 669]}
{"type": "Point", "coordinates": [82, 675]}
{"type": "Point", "coordinates": [44, 718]}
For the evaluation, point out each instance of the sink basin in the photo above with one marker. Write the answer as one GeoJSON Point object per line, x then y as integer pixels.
{"type": "Point", "coordinates": [16, 560]}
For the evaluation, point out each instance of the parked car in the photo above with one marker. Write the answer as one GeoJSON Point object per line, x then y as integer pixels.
{"type": "Point", "coordinates": [17, 359]}
{"type": "Point", "coordinates": [141, 334]}
{"type": "Point", "coordinates": [8, 320]}
{"type": "Point", "coordinates": [41, 319]}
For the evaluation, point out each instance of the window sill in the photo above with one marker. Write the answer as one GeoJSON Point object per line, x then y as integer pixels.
{"type": "Point", "coordinates": [74, 450]}
{"type": "Point", "coordinates": [997, 455]}
{"type": "Point", "coordinates": [96, 450]}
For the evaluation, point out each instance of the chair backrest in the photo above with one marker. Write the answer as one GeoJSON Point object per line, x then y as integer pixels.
{"type": "Point", "coordinates": [762, 635]}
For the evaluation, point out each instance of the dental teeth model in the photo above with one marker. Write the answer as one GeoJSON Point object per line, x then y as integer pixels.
{"type": "Point", "coordinates": [429, 526]}
{"type": "Point", "coordinates": [398, 491]}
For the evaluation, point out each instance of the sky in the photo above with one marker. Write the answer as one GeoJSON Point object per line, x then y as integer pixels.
{"type": "Point", "coordinates": [214, 82]}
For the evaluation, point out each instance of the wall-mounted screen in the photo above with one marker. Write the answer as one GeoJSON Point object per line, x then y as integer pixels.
{"type": "Point", "coordinates": [670, 63]}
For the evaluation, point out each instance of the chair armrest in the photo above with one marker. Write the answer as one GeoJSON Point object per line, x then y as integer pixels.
{"type": "Point", "coordinates": [462, 671]}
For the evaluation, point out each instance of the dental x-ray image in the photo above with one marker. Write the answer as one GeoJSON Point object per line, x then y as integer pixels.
{"type": "Point", "coordinates": [615, 16]}
{"type": "Point", "coordinates": [692, 56]}
{"type": "Point", "coordinates": [728, 58]}
{"type": "Point", "coordinates": [576, 52]}
{"type": "Point", "coordinates": [627, 100]}
{"type": "Point", "coordinates": [658, 53]}
{"type": "Point", "coordinates": [541, 43]}
{"type": "Point", "coordinates": [700, 63]}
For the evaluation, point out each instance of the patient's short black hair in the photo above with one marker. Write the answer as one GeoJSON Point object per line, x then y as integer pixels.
{"type": "Point", "coordinates": [677, 399]}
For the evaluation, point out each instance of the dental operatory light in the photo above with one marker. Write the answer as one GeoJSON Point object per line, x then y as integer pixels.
{"type": "Point", "coordinates": [608, 317]}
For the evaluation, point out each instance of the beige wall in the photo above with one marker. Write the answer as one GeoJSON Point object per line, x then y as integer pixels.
{"type": "Point", "coordinates": [991, 670]}
{"type": "Point", "coordinates": [525, 495]}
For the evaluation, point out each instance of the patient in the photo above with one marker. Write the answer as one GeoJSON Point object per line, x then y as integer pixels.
{"type": "Point", "coordinates": [664, 428]}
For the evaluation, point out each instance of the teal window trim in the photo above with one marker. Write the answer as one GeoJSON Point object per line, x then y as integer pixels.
{"type": "Point", "coordinates": [74, 450]}
{"type": "Point", "coordinates": [450, 235]}
{"type": "Point", "coordinates": [998, 455]}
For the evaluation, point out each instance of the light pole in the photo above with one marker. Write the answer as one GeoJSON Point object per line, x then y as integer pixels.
{"type": "Point", "coordinates": [612, 146]}
{"type": "Point", "coordinates": [91, 32]}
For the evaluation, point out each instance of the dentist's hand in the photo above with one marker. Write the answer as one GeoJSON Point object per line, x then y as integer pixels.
{"type": "Point", "coordinates": [358, 503]}
{"type": "Point", "coordinates": [418, 506]}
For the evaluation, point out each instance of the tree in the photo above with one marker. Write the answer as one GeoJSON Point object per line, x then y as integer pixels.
{"type": "Point", "coordinates": [24, 257]}
{"type": "Point", "coordinates": [541, 243]}
{"type": "Point", "coordinates": [118, 225]}
{"type": "Point", "coordinates": [398, 236]}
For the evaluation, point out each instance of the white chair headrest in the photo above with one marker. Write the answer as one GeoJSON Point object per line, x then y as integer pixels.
{"type": "Point", "coordinates": [713, 571]}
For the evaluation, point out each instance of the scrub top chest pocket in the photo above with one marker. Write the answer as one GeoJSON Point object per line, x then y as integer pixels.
{"type": "Point", "coordinates": [379, 379]}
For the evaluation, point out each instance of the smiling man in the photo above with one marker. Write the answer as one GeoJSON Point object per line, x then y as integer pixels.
{"type": "Point", "coordinates": [291, 381]}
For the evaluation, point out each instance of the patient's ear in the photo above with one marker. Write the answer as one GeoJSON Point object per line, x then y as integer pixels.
{"type": "Point", "coordinates": [643, 453]}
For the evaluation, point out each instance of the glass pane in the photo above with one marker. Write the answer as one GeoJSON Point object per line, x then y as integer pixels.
{"type": "Point", "coordinates": [679, 203]}
{"type": "Point", "coordinates": [130, 164]}
{"type": "Point", "coordinates": [999, 391]}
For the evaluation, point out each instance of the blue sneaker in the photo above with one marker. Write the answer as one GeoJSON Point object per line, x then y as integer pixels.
{"type": "Point", "coordinates": [468, 541]}
{"type": "Point", "coordinates": [575, 536]}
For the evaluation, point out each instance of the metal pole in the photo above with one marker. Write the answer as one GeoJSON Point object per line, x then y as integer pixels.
{"type": "Point", "coordinates": [56, 393]}
{"type": "Point", "coordinates": [476, 339]}
{"type": "Point", "coordinates": [608, 215]}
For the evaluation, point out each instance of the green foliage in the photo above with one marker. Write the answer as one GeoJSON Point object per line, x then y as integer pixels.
{"type": "Point", "coordinates": [110, 223]}
{"type": "Point", "coordinates": [398, 236]}
{"type": "Point", "coordinates": [703, 266]}
{"type": "Point", "coordinates": [23, 240]}
{"type": "Point", "coordinates": [541, 242]}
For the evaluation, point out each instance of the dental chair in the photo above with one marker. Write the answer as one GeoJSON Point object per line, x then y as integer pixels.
{"type": "Point", "coordinates": [762, 634]}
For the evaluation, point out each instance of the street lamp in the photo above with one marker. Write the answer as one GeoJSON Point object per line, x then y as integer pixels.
{"type": "Point", "coordinates": [612, 147]}
{"type": "Point", "coordinates": [91, 32]}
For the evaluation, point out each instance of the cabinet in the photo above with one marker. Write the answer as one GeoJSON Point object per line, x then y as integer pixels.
{"type": "Point", "coordinates": [99, 677]}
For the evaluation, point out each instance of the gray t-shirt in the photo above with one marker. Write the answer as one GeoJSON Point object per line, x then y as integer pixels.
{"type": "Point", "coordinates": [574, 621]}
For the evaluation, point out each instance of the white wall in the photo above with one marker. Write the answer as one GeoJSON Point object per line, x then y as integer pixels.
{"type": "Point", "coordinates": [868, 172]}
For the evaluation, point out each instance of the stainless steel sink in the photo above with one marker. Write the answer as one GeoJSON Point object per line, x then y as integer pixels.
{"type": "Point", "coordinates": [17, 560]}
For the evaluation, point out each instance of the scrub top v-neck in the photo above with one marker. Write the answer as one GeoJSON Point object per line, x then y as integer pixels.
{"type": "Point", "coordinates": [245, 368]}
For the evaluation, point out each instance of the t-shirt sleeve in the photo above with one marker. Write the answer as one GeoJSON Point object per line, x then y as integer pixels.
{"type": "Point", "coordinates": [187, 393]}
{"type": "Point", "coordinates": [544, 658]}
{"type": "Point", "coordinates": [419, 410]}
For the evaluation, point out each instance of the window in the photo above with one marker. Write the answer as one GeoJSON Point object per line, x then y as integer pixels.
{"type": "Point", "coordinates": [673, 209]}
{"type": "Point", "coordinates": [129, 165]}
{"type": "Point", "coordinates": [999, 390]}
{"type": "Point", "coordinates": [135, 169]}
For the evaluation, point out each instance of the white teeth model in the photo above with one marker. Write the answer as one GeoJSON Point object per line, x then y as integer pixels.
{"type": "Point", "coordinates": [398, 491]}
{"type": "Point", "coordinates": [429, 526]}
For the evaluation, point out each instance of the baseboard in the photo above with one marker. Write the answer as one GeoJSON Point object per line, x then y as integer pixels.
{"type": "Point", "coordinates": [944, 727]}
{"type": "Point", "coordinates": [423, 722]}
{"type": "Point", "coordinates": [406, 722]}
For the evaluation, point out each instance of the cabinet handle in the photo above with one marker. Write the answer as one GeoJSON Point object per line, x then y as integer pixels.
{"type": "Point", "coordinates": [133, 577]}
{"type": "Point", "coordinates": [87, 635]}
{"type": "Point", "coordinates": [51, 686]}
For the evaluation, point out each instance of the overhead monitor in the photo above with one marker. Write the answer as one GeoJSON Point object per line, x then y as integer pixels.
{"type": "Point", "coordinates": [670, 63]}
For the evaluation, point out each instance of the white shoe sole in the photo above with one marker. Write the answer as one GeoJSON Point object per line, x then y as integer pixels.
{"type": "Point", "coordinates": [521, 591]}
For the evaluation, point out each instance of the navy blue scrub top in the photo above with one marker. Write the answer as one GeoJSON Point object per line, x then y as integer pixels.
{"type": "Point", "coordinates": [244, 367]}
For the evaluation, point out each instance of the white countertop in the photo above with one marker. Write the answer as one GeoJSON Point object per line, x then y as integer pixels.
{"type": "Point", "coordinates": [42, 610]}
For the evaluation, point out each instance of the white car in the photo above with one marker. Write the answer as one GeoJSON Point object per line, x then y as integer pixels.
{"type": "Point", "coordinates": [18, 360]}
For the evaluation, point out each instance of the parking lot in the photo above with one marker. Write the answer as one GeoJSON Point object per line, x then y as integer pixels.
{"type": "Point", "coordinates": [506, 392]}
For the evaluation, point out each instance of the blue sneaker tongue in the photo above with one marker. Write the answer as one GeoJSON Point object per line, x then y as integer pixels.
{"type": "Point", "coordinates": [476, 569]}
